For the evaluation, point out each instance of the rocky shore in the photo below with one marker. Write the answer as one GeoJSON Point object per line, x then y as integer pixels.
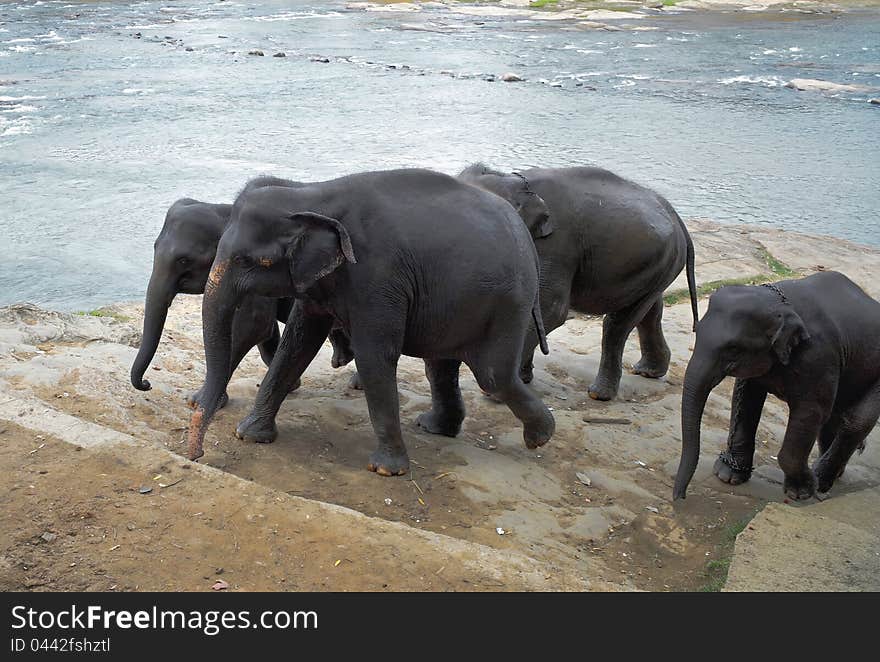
{"type": "Point", "coordinates": [614, 10]}
{"type": "Point", "coordinates": [99, 495]}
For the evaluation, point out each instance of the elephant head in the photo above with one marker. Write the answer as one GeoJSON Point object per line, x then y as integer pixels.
{"type": "Point", "coordinates": [747, 332]}
{"type": "Point", "coordinates": [269, 249]}
{"type": "Point", "coordinates": [514, 188]}
{"type": "Point", "coordinates": [182, 257]}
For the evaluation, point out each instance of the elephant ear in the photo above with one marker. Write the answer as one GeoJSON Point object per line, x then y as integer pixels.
{"type": "Point", "coordinates": [790, 333]}
{"type": "Point", "coordinates": [318, 246]}
{"type": "Point", "coordinates": [531, 208]}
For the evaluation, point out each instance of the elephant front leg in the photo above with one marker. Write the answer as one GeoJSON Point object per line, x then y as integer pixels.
{"type": "Point", "coordinates": [342, 352]}
{"type": "Point", "coordinates": [804, 424]}
{"type": "Point", "coordinates": [855, 425]}
{"type": "Point", "coordinates": [734, 465]}
{"type": "Point", "coordinates": [303, 336]}
{"type": "Point", "coordinates": [254, 325]}
{"type": "Point", "coordinates": [447, 406]}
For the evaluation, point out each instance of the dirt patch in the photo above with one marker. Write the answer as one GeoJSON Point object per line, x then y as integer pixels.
{"type": "Point", "coordinates": [93, 520]}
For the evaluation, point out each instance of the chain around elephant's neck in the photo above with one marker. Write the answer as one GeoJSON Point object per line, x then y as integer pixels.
{"type": "Point", "coordinates": [525, 182]}
{"type": "Point", "coordinates": [775, 288]}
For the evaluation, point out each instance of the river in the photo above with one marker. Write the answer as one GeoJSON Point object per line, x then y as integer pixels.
{"type": "Point", "coordinates": [109, 111]}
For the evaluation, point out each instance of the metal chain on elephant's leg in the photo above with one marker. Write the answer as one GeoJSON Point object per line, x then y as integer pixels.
{"type": "Point", "coordinates": [737, 405]}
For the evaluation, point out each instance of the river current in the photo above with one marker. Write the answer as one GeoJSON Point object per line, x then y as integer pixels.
{"type": "Point", "coordinates": [109, 111]}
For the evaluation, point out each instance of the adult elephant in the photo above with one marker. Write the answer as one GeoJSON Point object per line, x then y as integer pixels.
{"type": "Point", "coordinates": [607, 246]}
{"type": "Point", "coordinates": [815, 344]}
{"type": "Point", "coordinates": [182, 257]}
{"type": "Point", "coordinates": [406, 262]}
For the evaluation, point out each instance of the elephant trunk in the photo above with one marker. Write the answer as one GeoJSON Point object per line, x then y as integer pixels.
{"type": "Point", "coordinates": [699, 380]}
{"type": "Point", "coordinates": [218, 310]}
{"type": "Point", "coordinates": [160, 294]}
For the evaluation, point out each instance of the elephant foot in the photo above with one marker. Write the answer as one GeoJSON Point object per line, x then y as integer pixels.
{"type": "Point", "coordinates": [538, 433]}
{"type": "Point", "coordinates": [195, 399]}
{"type": "Point", "coordinates": [387, 463]}
{"type": "Point", "coordinates": [355, 382]}
{"type": "Point", "coordinates": [652, 369]}
{"type": "Point", "coordinates": [800, 488]}
{"type": "Point", "coordinates": [730, 471]}
{"type": "Point", "coordinates": [527, 374]}
{"type": "Point", "coordinates": [826, 475]}
{"type": "Point", "coordinates": [434, 423]}
{"type": "Point", "coordinates": [257, 430]}
{"type": "Point", "coordinates": [341, 357]}
{"type": "Point", "coordinates": [602, 389]}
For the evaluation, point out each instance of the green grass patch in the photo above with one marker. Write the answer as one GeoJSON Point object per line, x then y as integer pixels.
{"type": "Point", "coordinates": [777, 267]}
{"type": "Point", "coordinates": [717, 568]}
{"type": "Point", "coordinates": [670, 3]}
{"type": "Point", "coordinates": [732, 531]}
{"type": "Point", "coordinates": [104, 312]}
{"type": "Point", "coordinates": [705, 289]}
{"type": "Point", "coordinates": [716, 574]}
{"type": "Point", "coordinates": [537, 4]}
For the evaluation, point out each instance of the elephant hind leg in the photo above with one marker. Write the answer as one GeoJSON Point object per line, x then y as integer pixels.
{"type": "Point", "coordinates": [855, 424]}
{"type": "Point", "coordinates": [615, 330]}
{"type": "Point", "coordinates": [496, 372]}
{"type": "Point", "coordinates": [655, 352]}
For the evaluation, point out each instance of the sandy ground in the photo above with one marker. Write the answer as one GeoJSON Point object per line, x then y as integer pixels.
{"type": "Point", "coordinates": [621, 531]}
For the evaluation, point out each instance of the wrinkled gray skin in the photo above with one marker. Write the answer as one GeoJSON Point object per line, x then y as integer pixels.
{"type": "Point", "coordinates": [816, 346]}
{"type": "Point", "coordinates": [607, 246]}
{"type": "Point", "coordinates": [182, 257]}
{"type": "Point", "coordinates": [405, 262]}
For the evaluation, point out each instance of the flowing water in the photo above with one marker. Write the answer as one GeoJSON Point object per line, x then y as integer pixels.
{"type": "Point", "coordinates": [109, 111]}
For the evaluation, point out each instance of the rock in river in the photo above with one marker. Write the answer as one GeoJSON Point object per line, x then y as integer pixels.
{"type": "Point", "coordinates": [813, 85]}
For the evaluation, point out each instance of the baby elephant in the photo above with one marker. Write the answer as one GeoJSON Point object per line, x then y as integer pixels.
{"type": "Point", "coordinates": [814, 343]}
{"type": "Point", "coordinates": [183, 254]}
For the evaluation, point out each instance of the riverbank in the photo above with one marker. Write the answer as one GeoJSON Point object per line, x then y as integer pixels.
{"type": "Point", "coordinates": [612, 9]}
{"type": "Point", "coordinates": [590, 511]}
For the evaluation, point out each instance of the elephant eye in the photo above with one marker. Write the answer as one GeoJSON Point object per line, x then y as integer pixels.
{"type": "Point", "coordinates": [242, 260]}
{"type": "Point", "coordinates": [183, 261]}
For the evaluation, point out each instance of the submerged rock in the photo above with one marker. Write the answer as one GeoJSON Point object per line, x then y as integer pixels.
{"type": "Point", "coordinates": [814, 85]}
{"type": "Point", "coordinates": [511, 77]}
{"type": "Point", "coordinates": [256, 51]}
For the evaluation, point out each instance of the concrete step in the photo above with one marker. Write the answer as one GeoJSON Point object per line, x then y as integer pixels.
{"type": "Point", "coordinates": [829, 546]}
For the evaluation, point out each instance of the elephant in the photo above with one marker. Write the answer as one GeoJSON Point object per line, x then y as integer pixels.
{"type": "Point", "coordinates": [406, 261]}
{"type": "Point", "coordinates": [182, 258]}
{"type": "Point", "coordinates": [606, 246]}
{"type": "Point", "coordinates": [815, 344]}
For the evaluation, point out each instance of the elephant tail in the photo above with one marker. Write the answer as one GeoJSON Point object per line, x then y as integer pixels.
{"type": "Point", "coordinates": [539, 323]}
{"type": "Point", "coordinates": [689, 267]}
{"type": "Point", "coordinates": [536, 306]}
